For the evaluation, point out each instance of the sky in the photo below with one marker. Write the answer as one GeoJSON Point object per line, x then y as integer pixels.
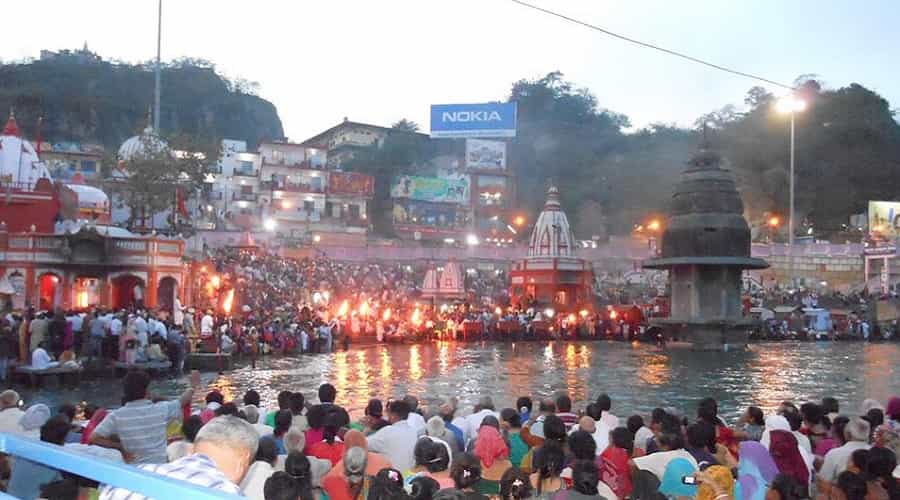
{"type": "Point", "coordinates": [319, 61]}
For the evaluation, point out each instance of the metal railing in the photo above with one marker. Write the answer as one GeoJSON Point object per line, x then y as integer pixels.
{"type": "Point", "coordinates": [105, 472]}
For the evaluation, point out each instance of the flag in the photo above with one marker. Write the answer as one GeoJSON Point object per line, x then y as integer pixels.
{"type": "Point", "coordinates": [180, 206]}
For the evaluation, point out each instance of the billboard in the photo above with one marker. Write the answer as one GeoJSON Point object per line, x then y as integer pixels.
{"type": "Point", "coordinates": [485, 155]}
{"type": "Point", "coordinates": [351, 183]}
{"type": "Point", "coordinates": [473, 120]}
{"type": "Point", "coordinates": [884, 218]}
{"type": "Point", "coordinates": [434, 189]}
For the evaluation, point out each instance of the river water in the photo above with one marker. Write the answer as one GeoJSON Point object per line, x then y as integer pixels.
{"type": "Point", "coordinates": [638, 377]}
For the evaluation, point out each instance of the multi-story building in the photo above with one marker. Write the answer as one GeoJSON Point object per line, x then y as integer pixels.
{"type": "Point", "coordinates": [306, 199]}
{"type": "Point", "coordinates": [233, 197]}
{"type": "Point", "coordinates": [345, 139]}
{"type": "Point", "coordinates": [66, 161]}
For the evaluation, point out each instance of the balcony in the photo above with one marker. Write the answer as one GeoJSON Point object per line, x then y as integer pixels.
{"type": "Point", "coordinates": [215, 196]}
{"type": "Point", "coordinates": [293, 187]}
{"type": "Point", "coordinates": [243, 196]}
{"type": "Point", "coordinates": [292, 162]}
{"type": "Point", "coordinates": [245, 172]}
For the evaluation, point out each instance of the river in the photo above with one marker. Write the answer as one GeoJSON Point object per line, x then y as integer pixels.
{"type": "Point", "coordinates": [638, 377]}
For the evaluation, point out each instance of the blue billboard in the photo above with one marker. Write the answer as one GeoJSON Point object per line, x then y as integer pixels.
{"type": "Point", "coordinates": [473, 120]}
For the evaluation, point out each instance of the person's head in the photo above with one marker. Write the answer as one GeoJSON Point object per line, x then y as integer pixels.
{"type": "Point", "coordinates": [604, 402]}
{"type": "Point", "coordinates": [251, 414]}
{"type": "Point", "coordinates": [329, 431]}
{"type": "Point", "coordinates": [564, 404]}
{"type": "Point", "coordinates": [68, 410]}
{"type": "Point", "coordinates": [485, 403]}
{"type": "Point", "coordinates": [656, 419]}
{"type": "Point", "coordinates": [281, 486]}
{"type": "Point", "coordinates": [593, 410]}
{"type": "Point", "coordinates": [755, 416]}
{"type": "Point", "coordinates": [547, 407]}
{"type": "Point", "coordinates": [355, 460]}
{"type": "Point", "coordinates": [621, 437]}
{"type": "Point", "coordinates": [191, 427]}
{"type": "Point", "coordinates": [851, 486]}
{"type": "Point", "coordinates": [670, 441]}
{"type": "Point", "coordinates": [830, 405]}
{"type": "Point", "coordinates": [490, 421]}
{"type": "Point", "coordinates": [701, 435]}
{"type": "Point", "coordinates": [228, 408]}
{"type": "Point", "coordinates": [266, 450]}
{"type": "Point", "coordinates": [811, 413]}
{"type": "Point", "coordinates": [582, 445]}
{"type": "Point", "coordinates": [387, 485]}
{"type": "Point", "coordinates": [554, 429]}
{"type": "Point", "coordinates": [466, 471]}
{"type": "Point", "coordinates": [283, 421]}
{"type": "Point", "coordinates": [634, 423]}
{"type": "Point", "coordinates": [251, 397]}
{"type": "Point", "coordinates": [794, 420]}
{"type": "Point", "coordinates": [135, 386]}
{"type": "Point", "coordinates": [298, 403]}
{"type": "Point", "coordinates": [880, 466]}
{"type": "Point", "coordinates": [55, 430]}
{"type": "Point", "coordinates": [375, 408]}
{"type": "Point", "coordinates": [215, 396]}
{"type": "Point", "coordinates": [708, 411]}
{"type": "Point", "coordinates": [858, 461]}
{"type": "Point", "coordinates": [548, 461]}
{"type": "Point", "coordinates": [523, 404]}
{"type": "Point", "coordinates": [297, 466]}
{"type": "Point", "coordinates": [230, 442]}
{"type": "Point", "coordinates": [327, 393]}
{"type": "Point", "coordinates": [9, 399]}
{"type": "Point", "coordinates": [893, 409]}
{"type": "Point", "coordinates": [585, 477]}
{"type": "Point", "coordinates": [430, 455]}
{"type": "Point", "coordinates": [412, 401]}
{"type": "Point", "coordinates": [397, 411]}
{"type": "Point", "coordinates": [875, 417]}
{"type": "Point", "coordinates": [294, 440]}
{"type": "Point", "coordinates": [784, 487]}
{"type": "Point", "coordinates": [838, 427]}
{"type": "Point", "coordinates": [515, 485]}
{"type": "Point", "coordinates": [857, 429]}
{"type": "Point", "coordinates": [423, 488]}
{"type": "Point", "coordinates": [511, 417]}
{"type": "Point", "coordinates": [284, 400]}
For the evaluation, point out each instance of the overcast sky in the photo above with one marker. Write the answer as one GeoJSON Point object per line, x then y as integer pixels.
{"type": "Point", "coordinates": [321, 60]}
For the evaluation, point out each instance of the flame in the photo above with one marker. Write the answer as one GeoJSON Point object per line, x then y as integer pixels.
{"type": "Point", "coordinates": [498, 311]}
{"type": "Point", "coordinates": [416, 317]}
{"type": "Point", "coordinates": [82, 300]}
{"type": "Point", "coordinates": [613, 314]}
{"type": "Point", "coordinates": [229, 301]}
{"type": "Point", "coordinates": [342, 311]}
{"type": "Point", "coordinates": [364, 309]}
{"type": "Point", "coordinates": [571, 318]}
{"type": "Point", "coordinates": [386, 315]}
{"type": "Point", "coordinates": [584, 313]}
{"type": "Point", "coordinates": [216, 281]}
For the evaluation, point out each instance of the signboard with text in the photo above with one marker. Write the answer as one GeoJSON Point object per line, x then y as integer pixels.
{"type": "Point", "coordinates": [351, 183]}
{"type": "Point", "coordinates": [884, 218]}
{"type": "Point", "coordinates": [473, 120]}
{"type": "Point", "coordinates": [485, 155]}
{"type": "Point", "coordinates": [434, 189]}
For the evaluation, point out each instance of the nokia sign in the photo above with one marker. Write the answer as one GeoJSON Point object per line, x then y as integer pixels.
{"type": "Point", "coordinates": [473, 120]}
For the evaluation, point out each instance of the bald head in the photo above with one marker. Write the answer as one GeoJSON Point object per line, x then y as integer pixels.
{"type": "Point", "coordinates": [587, 424]}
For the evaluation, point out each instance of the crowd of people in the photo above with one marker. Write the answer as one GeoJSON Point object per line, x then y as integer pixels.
{"type": "Point", "coordinates": [397, 450]}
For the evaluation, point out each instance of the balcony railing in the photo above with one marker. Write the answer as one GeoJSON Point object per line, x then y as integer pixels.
{"type": "Point", "coordinates": [105, 471]}
{"type": "Point", "coordinates": [243, 196]}
{"type": "Point", "coordinates": [291, 162]}
{"type": "Point", "coordinates": [246, 172]}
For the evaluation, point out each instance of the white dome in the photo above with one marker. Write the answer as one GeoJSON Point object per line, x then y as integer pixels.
{"type": "Point", "coordinates": [89, 196]}
{"type": "Point", "coordinates": [552, 236]}
{"type": "Point", "coordinates": [19, 162]}
{"type": "Point", "coordinates": [138, 145]}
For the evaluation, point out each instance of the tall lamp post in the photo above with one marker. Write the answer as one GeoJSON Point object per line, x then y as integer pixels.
{"type": "Point", "coordinates": [791, 104]}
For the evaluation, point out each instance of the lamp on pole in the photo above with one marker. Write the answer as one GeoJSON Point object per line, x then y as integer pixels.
{"type": "Point", "coordinates": [791, 104]}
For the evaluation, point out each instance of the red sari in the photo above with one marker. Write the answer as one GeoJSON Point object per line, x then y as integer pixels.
{"type": "Point", "coordinates": [614, 471]}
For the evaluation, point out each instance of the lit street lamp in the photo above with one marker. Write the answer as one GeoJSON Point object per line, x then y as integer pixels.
{"type": "Point", "coordinates": [792, 105]}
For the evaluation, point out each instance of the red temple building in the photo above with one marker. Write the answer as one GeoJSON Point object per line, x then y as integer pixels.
{"type": "Point", "coordinates": [551, 275]}
{"type": "Point", "coordinates": [56, 250]}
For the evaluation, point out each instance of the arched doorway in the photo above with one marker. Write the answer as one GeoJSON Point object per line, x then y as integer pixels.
{"type": "Point", "coordinates": [165, 294]}
{"type": "Point", "coordinates": [127, 292]}
{"type": "Point", "coordinates": [49, 292]}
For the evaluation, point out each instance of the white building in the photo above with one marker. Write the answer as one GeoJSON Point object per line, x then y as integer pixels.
{"type": "Point", "coordinates": [233, 196]}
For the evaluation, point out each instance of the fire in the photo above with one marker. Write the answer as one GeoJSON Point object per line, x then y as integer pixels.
{"type": "Point", "coordinates": [364, 309]}
{"type": "Point", "coordinates": [498, 311]}
{"type": "Point", "coordinates": [82, 300]}
{"type": "Point", "coordinates": [216, 281]}
{"type": "Point", "coordinates": [584, 313]}
{"type": "Point", "coordinates": [229, 301]}
{"type": "Point", "coordinates": [613, 314]}
{"type": "Point", "coordinates": [571, 318]}
{"type": "Point", "coordinates": [345, 307]}
{"type": "Point", "coordinates": [416, 317]}
{"type": "Point", "coordinates": [386, 315]}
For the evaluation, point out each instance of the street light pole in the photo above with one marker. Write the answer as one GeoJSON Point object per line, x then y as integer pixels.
{"type": "Point", "coordinates": [791, 215]}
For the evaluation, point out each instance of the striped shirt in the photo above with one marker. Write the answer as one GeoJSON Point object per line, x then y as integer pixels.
{"type": "Point", "coordinates": [141, 427]}
{"type": "Point", "coordinates": [195, 469]}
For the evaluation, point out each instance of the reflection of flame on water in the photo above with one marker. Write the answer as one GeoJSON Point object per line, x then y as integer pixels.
{"type": "Point", "coordinates": [548, 353]}
{"type": "Point", "coordinates": [415, 363]}
{"type": "Point", "coordinates": [443, 356]}
{"type": "Point", "coordinates": [386, 372]}
{"type": "Point", "coordinates": [655, 370]}
{"type": "Point", "coordinates": [341, 372]}
{"type": "Point", "coordinates": [362, 372]}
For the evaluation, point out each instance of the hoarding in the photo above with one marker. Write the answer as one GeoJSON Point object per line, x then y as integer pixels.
{"type": "Point", "coordinates": [434, 189]}
{"type": "Point", "coordinates": [485, 155]}
{"type": "Point", "coordinates": [352, 183]}
{"type": "Point", "coordinates": [473, 120]}
{"type": "Point", "coordinates": [884, 218]}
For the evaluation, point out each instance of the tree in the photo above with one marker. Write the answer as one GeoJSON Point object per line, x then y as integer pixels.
{"type": "Point", "coordinates": [406, 125]}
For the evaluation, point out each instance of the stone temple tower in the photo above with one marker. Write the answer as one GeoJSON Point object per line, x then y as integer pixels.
{"type": "Point", "coordinates": [705, 248]}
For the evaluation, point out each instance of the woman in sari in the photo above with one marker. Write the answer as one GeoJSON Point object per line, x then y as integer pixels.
{"type": "Point", "coordinates": [493, 453]}
{"type": "Point", "coordinates": [786, 454]}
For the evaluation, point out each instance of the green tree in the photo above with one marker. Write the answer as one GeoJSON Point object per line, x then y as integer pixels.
{"type": "Point", "coordinates": [406, 125]}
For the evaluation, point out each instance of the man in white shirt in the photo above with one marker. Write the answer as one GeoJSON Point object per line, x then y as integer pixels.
{"type": "Point", "coordinates": [40, 360]}
{"type": "Point", "coordinates": [115, 326]}
{"type": "Point", "coordinates": [484, 408]}
{"type": "Point", "coordinates": [605, 403]}
{"type": "Point", "coordinates": [10, 414]}
{"type": "Point", "coordinates": [206, 325]}
{"type": "Point", "coordinates": [656, 463]}
{"type": "Point", "coordinates": [416, 420]}
{"type": "Point", "coordinates": [856, 434]}
{"type": "Point", "coordinates": [598, 430]}
{"type": "Point", "coordinates": [396, 441]}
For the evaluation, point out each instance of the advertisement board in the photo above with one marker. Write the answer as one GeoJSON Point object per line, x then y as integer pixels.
{"type": "Point", "coordinates": [884, 218]}
{"type": "Point", "coordinates": [485, 155]}
{"type": "Point", "coordinates": [434, 189]}
{"type": "Point", "coordinates": [351, 183]}
{"type": "Point", "coordinates": [473, 120]}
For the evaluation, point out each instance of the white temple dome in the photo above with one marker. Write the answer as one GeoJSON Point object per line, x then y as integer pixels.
{"type": "Point", "coordinates": [141, 145]}
{"type": "Point", "coordinates": [552, 236]}
{"type": "Point", "coordinates": [20, 165]}
{"type": "Point", "coordinates": [90, 197]}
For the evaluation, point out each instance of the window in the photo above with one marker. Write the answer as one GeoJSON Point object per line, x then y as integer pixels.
{"type": "Point", "coordinates": [354, 211]}
{"type": "Point", "coordinates": [309, 206]}
{"type": "Point", "coordinates": [329, 210]}
{"type": "Point", "coordinates": [246, 189]}
{"type": "Point", "coordinates": [88, 166]}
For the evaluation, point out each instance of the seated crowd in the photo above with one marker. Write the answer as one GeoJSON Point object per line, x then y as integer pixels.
{"type": "Point", "coordinates": [398, 451]}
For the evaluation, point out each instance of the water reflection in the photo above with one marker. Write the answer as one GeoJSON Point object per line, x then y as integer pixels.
{"type": "Point", "coordinates": [637, 377]}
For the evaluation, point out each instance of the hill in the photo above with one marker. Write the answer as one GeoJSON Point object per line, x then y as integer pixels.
{"type": "Point", "coordinates": [86, 99]}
